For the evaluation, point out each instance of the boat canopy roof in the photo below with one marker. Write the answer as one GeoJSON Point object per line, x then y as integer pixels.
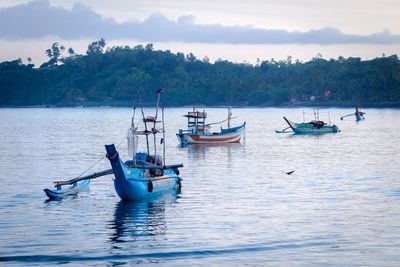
{"type": "Point", "coordinates": [196, 114]}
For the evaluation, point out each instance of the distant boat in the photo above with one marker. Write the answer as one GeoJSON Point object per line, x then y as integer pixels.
{"type": "Point", "coordinates": [359, 115]}
{"type": "Point", "coordinates": [198, 132]}
{"type": "Point", "coordinates": [146, 175]}
{"type": "Point", "coordinates": [315, 126]}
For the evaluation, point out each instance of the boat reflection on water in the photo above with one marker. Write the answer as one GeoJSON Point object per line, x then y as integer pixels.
{"type": "Point", "coordinates": [203, 151]}
{"type": "Point", "coordinates": [140, 223]}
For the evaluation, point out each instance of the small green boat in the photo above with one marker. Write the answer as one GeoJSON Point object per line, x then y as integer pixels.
{"type": "Point", "coordinates": [315, 126]}
{"type": "Point", "coordinates": [312, 127]}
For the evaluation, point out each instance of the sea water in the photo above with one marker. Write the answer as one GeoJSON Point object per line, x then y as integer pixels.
{"type": "Point", "coordinates": [237, 206]}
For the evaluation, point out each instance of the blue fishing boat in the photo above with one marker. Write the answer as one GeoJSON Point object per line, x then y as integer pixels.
{"type": "Point", "coordinates": [146, 175]}
{"type": "Point", "coordinates": [73, 189]}
{"type": "Point", "coordinates": [198, 132]}
{"type": "Point", "coordinates": [142, 178]}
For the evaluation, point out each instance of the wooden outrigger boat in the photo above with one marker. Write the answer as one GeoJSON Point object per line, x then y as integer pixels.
{"type": "Point", "coordinates": [198, 132]}
{"type": "Point", "coordinates": [142, 177]}
{"type": "Point", "coordinates": [359, 115]}
{"type": "Point", "coordinates": [315, 126]}
{"type": "Point", "coordinates": [145, 175]}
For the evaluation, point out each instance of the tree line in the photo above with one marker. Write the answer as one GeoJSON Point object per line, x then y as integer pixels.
{"type": "Point", "coordinates": [123, 75]}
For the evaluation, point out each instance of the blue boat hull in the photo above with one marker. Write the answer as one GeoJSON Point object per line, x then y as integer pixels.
{"type": "Point", "coordinates": [136, 184]}
{"type": "Point", "coordinates": [359, 117]}
{"type": "Point", "coordinates": [70, 190]}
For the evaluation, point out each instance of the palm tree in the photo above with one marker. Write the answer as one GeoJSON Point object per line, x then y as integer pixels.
{"type": "Point", "coordinates": [71, 52]}
{"type": "Point", "coordinates": [62, 50]}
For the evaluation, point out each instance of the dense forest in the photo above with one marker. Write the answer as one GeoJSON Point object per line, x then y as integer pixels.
{"type": "Point", "coordinates": [127, 75]}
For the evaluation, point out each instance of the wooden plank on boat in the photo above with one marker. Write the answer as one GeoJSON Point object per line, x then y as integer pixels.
{"type": "Point", "coordinates": [196, 114]}
{"type": "Point", "coordinates": [91, 176]}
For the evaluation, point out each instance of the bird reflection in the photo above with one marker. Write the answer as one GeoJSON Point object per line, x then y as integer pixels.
{"type": "Point", "coordinates": [140, 221]}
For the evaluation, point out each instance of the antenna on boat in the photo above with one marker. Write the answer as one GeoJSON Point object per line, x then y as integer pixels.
{"type": "Point", "coordinates": [304, 117]}
{"type": "Point", "coordinates": [163, 140]}
{"type": "Point", "coordinates": [158, 93]}
{"type": "Point", "coordinates": [145, 128]}
{"type": "Point", "coordinates": [154, 130]}
{"type": "Point", "coordinates": [229, 117]}
{"type": "Point", "coordinates": [132, 138]}
{"type": "Point", "coordinates": [329, 117]}
{"type": "Point", "coordinates": [133, 118]}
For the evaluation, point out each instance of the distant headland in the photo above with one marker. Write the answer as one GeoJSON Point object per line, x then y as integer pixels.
{"type": "Point", "coordinates": [123, 76]}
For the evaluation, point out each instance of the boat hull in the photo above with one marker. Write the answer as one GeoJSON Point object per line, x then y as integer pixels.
{"type": "Point", "coordinates": [230, 135]}
{"type": "Point", "coordinates": [70, 190]}
{"type": "Point", "coordinates": [359, 117]}
{"type": "Point", "coordinates": [323, 130]}
{"type": "Point", "coordinates": [135, 184]}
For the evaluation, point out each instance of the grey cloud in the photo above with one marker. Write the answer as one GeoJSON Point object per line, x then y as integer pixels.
{"type": "Point", "coordinates": [38, 19]}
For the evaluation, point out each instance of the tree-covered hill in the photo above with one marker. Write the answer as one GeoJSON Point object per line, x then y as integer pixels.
{"type": "Point", "coordinates": [125, 75]}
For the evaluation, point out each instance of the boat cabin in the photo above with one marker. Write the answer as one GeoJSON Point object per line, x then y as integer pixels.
{"type": "Point", "coordinates": [197, 122]}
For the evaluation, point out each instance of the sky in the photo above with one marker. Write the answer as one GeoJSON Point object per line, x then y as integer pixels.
{"type": "Point", "coordinates": [239, 31]}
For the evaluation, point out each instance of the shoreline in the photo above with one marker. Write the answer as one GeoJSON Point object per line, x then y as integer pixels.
{"type": "Point", "coordinates": [302, 105]}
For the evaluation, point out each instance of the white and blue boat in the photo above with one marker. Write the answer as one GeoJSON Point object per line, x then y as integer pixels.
{"type": "Point", "coordinates": [198, 132]}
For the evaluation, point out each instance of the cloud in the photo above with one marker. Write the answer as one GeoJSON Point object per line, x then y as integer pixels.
{"type": "Point", "coordinates": [38, 19]}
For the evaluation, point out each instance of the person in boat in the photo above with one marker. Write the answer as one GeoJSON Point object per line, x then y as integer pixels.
{"type": "Point", "coordinates": [357, 113]}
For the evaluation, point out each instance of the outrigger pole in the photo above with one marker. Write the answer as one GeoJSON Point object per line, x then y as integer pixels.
{"type": "Point", "coordinates": [91, 176]}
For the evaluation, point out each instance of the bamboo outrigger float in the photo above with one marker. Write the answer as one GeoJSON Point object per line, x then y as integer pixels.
{"type": "Point", "coordinates": [198, 132]}
{"type": "Point", "coordinates": [75, 185]}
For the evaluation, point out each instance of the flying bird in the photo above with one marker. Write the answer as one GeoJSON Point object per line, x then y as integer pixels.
{"type": "Point", "coordinates": [289, 173]}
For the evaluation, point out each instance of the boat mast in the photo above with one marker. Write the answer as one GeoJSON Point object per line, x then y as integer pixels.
{"type": "Point", "coordinates": [134, 136]}
{"type": "Point", "coordinates": [158, 92]}
{"type": "Point", "coordinates": [329, 117]}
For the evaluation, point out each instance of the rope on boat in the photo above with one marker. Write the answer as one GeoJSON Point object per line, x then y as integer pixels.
{"type": "Point", "coordinates": [97, 162]}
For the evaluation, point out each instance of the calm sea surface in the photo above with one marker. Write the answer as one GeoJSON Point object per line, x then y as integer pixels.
{"type": "Point", "coordinates": [340, 207]}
